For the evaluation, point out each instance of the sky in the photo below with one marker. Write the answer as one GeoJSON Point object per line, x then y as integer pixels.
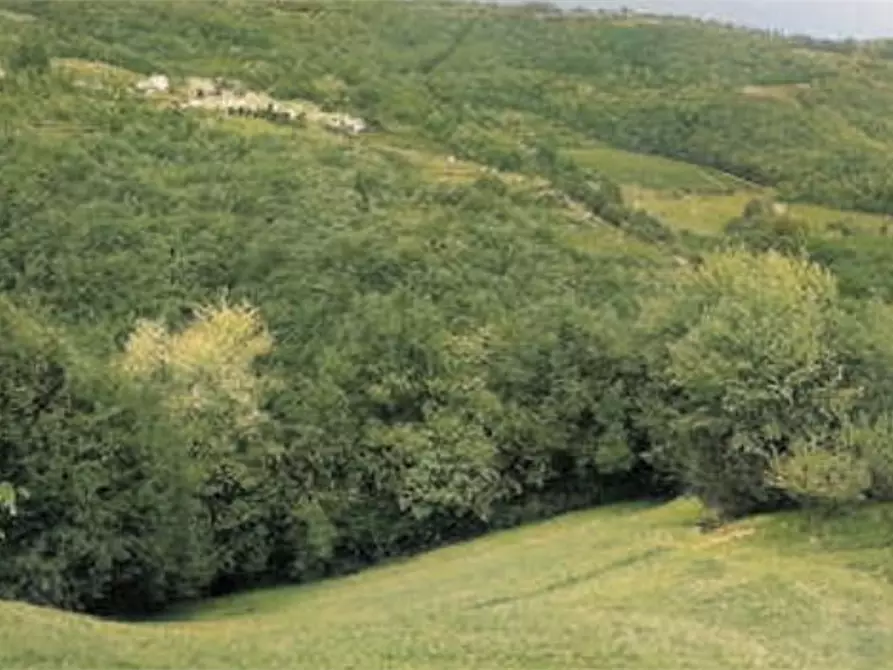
{"type": "Point", "coordinates": [835, 19]}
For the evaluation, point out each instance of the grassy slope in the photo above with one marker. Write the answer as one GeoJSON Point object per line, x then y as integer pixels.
{"type": "Point", "coordinates": [708, 213]}
{"type": "Point", "coordinates": [621, 587]}
{"type": "Point", "coordinates": [655, 172]}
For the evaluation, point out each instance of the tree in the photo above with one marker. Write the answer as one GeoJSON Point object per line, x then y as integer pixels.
{"type": "Point", "coordinates": [766, 225]}
{"type": "Point", "coordinates": [749, 351]}
{"type": "Point", "coordinates": [206, 373]}
{"type": "Point", "coordinates": [207, 368]}
{"type": "Point", "coordinates": [109, 522]}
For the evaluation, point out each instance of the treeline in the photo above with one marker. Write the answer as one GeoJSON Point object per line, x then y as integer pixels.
{"type": "Point", "coordinates": [411, 392]}
{"type": "Point", "coordinates": [197, 459]}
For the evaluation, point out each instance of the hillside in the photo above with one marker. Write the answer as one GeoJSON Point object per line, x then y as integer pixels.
{"type": "Point", "coordinates": [632, 587]}
{"type": "Point", "coordinates": [289, 289]}
{"type": "Point", "coordinates": [773, 111]}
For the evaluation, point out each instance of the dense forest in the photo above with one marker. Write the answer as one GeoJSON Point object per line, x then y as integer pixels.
{"type": "Point", "coordinates": [247, 348]}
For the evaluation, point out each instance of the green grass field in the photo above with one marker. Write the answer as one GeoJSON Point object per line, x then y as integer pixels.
{"type": "Point", "coordinates": [655, 172]}
{"type": "Point", "coordinates": [708, 213]}
{"type": "Point", "coordinates": [618, 588]}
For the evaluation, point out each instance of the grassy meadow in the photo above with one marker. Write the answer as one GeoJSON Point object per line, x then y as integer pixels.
{"type": "Point", "coordinates": [631, 587]}
{"type": "Point", "coordinates": [708, 213]}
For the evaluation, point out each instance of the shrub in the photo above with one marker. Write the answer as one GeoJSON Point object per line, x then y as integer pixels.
{"type": "Point", "coordinates": [814, 473]}
{"type": "Point", "coordinates": [765, 227]}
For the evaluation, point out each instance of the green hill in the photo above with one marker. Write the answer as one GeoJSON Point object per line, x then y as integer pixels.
{"type": "Point", "coordinates": [631, 587]}
{"type": "Point", "coordinates": [290, 289]}
{"type": "Point", "coordinates": [782, 113]}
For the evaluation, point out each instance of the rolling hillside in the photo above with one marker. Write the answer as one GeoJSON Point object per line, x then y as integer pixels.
{"type": "Point", "coordinates": [623, 587]}
{"type": "Point", "coordinates": [292, 289]}
{"type": "Point", "coordinates": [782, 113]}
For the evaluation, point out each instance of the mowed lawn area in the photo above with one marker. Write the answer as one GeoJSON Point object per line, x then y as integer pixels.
{"type": "Point", "coordinates": [617, 588]}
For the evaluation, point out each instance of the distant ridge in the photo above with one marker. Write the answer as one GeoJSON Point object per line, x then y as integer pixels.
{"type": "Point", "coordinates": [826, 19]}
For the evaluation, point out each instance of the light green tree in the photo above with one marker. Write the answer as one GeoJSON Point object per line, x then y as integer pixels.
{"type": "Point", "coordinates": [747, 344]}
{"type": "Point", "coordinates": [206, 371]}
{"type": "Point", "coordinates": [208, 365]}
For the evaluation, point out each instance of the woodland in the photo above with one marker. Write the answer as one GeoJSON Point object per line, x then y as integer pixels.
{"type": "Point", "coordinates": [240, 351]}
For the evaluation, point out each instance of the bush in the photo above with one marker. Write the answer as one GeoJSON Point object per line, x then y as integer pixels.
{"type": "Point", "coordinates": [871, 446]}
{"type": "Point", "coordinates": [822, 474]}
{"type": "Point", "coordinates": [765, 227]}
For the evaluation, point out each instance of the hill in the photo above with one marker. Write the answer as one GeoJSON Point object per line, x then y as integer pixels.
{"type": "Point", "coordinates": [780, 112]}
{"type": "Point", "coordinates": [632, 587]}
{"type": "Point", "coordinates": [293, 288]}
